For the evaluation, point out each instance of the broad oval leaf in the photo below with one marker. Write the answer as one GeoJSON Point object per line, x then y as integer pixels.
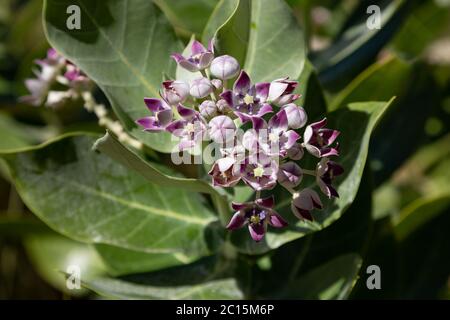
{"type": "Point", "coordinates": [89, 197]}
{"type": "Point", "coordinates": [207, 278]}
{"type": "Point", "coordinates": [118, 289]}
{"type": "Point", "coordinates": [125, 47]}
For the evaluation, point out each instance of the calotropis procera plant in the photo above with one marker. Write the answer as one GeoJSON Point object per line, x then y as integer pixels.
{"type": "Point", "coordinates": [256, 131]}
{"type": "Point", "coordinates": [239, 103]}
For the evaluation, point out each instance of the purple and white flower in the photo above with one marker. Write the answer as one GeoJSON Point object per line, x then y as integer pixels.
{"type": "Point", "coordinates": [161, 115]}
{"type": "Point", "coordinates": [326, 170]}
{"type": "Point", "coordinates": [191, 129]}
{"type": "Point", "coordinates": [318, 140]}
{"type": "Point", "coordinates": [175, 91]}
{"type": "Point", "coordinates": [199, 59]}
{"type": "Point", "coordinates": [247, 100]}
{"type": "Point", "coordinates": [259, 171]}
{"type": "Point", "coordinates": [280, 92]}
{"type": "Point", "coordinates": [39, 87]}
{"type": "Point", "coordinates": [273, 138]}
{"type": "Point", "coordinates": [304, 202]}
{"type": "Point", "coordinates": [257, 215]}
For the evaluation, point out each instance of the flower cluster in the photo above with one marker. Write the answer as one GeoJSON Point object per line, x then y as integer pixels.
{"type": "Point", "coordinates": [256, 126]}
{"type": "Point", "coordinates": [55, 71]}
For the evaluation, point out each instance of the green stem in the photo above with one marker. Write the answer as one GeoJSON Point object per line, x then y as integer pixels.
{"type": "Point", "coordinates": [221, 205]}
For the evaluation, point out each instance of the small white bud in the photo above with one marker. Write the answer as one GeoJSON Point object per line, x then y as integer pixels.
{"type": "Point", "coordinates": [224, 67]}
{"type": "Point", "coordinates": [201, 87]}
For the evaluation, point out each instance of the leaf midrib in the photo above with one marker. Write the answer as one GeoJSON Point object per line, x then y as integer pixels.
{"type": "Point", "coordinates": [138, 206]}
{"type": "Point", "coordinates": [119, 53]}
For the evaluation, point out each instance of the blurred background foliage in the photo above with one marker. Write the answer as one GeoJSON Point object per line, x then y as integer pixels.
{"type": "Point", "coordinates": [403, 206]}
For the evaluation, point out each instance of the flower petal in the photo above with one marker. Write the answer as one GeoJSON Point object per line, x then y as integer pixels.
{"type": "Point", "coordinates": [266, 202]}
{"type": "Point", "coordinates": [242, 83]}
{"type": "Point", "coordinates": [277, 221]}
{"type": "Point", "coordinates": [257, 231]}
{"type": "Point", "coordinates": [153, 104]}
{"type": "Point", "coordinates": [236, 222]}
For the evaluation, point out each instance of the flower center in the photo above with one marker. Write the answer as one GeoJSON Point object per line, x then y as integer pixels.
{"type": "Point", "coordinates": [258, 172]}
{"type": "Point", "coordinates": [190, 128]}
{"type": "Point", "coordinates": [273, 137]}
{"type": "Point", "coordinates": [255, 219]}
{"type": "Point", "coordinates": [248, 99]}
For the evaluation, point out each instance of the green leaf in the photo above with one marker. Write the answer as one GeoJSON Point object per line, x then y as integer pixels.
{"type": "Point", "coordinates": [90, 198]}
{"type": "Point", "coordinates": [119, 289]}
{"type": "Point", "coordinates": [229, 25]}
{"type": "Point", "coordinates": [332, 280]}
{"type": "Point", "coordinates": [207, 278]}
{"type": "Point", "coordinates": [312, 97]}
{"type": "Point", "coordinates": [120, 261]}
{"type": "Point", "coordinates": [13, 134]}
{"type": "Point", "coordinates": [356, 123]}
{"type": "Point", "coordinates": [357, 46]}
{"type": "Point", "coordinates": [381, 81]}
{"type": "Point", "coordinates": [419, 212]}
{"type": "Point", "coordinates": [243, 34]}
{"type": "Point", "coordinates": [110, 146]}
{"type": "Point", "coordinates": [187, 17]}
{"type": "Point", "coordinates": [428, 21]}
{"type": "Point", "coordinates": [125, 47]}
{"type": "Point", "coordinates": [52, 254]}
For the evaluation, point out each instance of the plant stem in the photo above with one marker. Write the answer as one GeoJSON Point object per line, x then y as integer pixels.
{"type": "Point", "coordinates": [103, 120]}
{"type": "Point", "coordinates": [309, 172]}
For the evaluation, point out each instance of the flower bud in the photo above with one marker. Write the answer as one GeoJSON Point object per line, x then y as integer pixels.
{"type": "Point", "coordinates": [289, 175]}
{"type": "Point", "coordinates": [208, 109]}
{"type": "Point", "coordinates": [295, 152]}
{"type": "Point", "coordinates": [224, 67]}
{"type": "Point", "coordinates": [201, 87]}
{"type": "Point", "coordinates": [223, 106]}
{"type": "Point", "coordinates": [304, 202]}
{"type": "Point", "coordinates": [217, 83]}
{"type": "Point", "coordinates": [297, 117]}
{"type": "Point", "coordinates": [222, 129]}
{"type": "Point", "coordinates": [175, 92]}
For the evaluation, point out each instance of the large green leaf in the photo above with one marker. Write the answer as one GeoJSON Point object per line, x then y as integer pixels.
{"type": "Point", "coordinates": [89, 197]}
{"type": "Point", "coordinates": [428, 21]}
{"type": "Point", "coordinates": [119, 289]}
{"type": "Point", "coordinates": [381, 81]}
{"type": "Point", "coordinates": [125, 47]}
{"type": "Point", "coordinates": [120, 261]}
{"type": "Point", "coordinates": [13, 134]}
{"type": "Point", "coordinates": [356, 123]}
{"type": "Point", "coordinates": [187, 17]}
{"type": "Point", "coordinates": [419, 212]}
{"type": "Point", "coordinates": [244, 34]}
{"type": "Point", "coordinates": [207, 278]}
{"type": "Point", "coordinates": [332, 280]}
{"type": "Point", "coordinates": [358, 45]}
{"type": "Point", "coordinates": [110, 146]}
